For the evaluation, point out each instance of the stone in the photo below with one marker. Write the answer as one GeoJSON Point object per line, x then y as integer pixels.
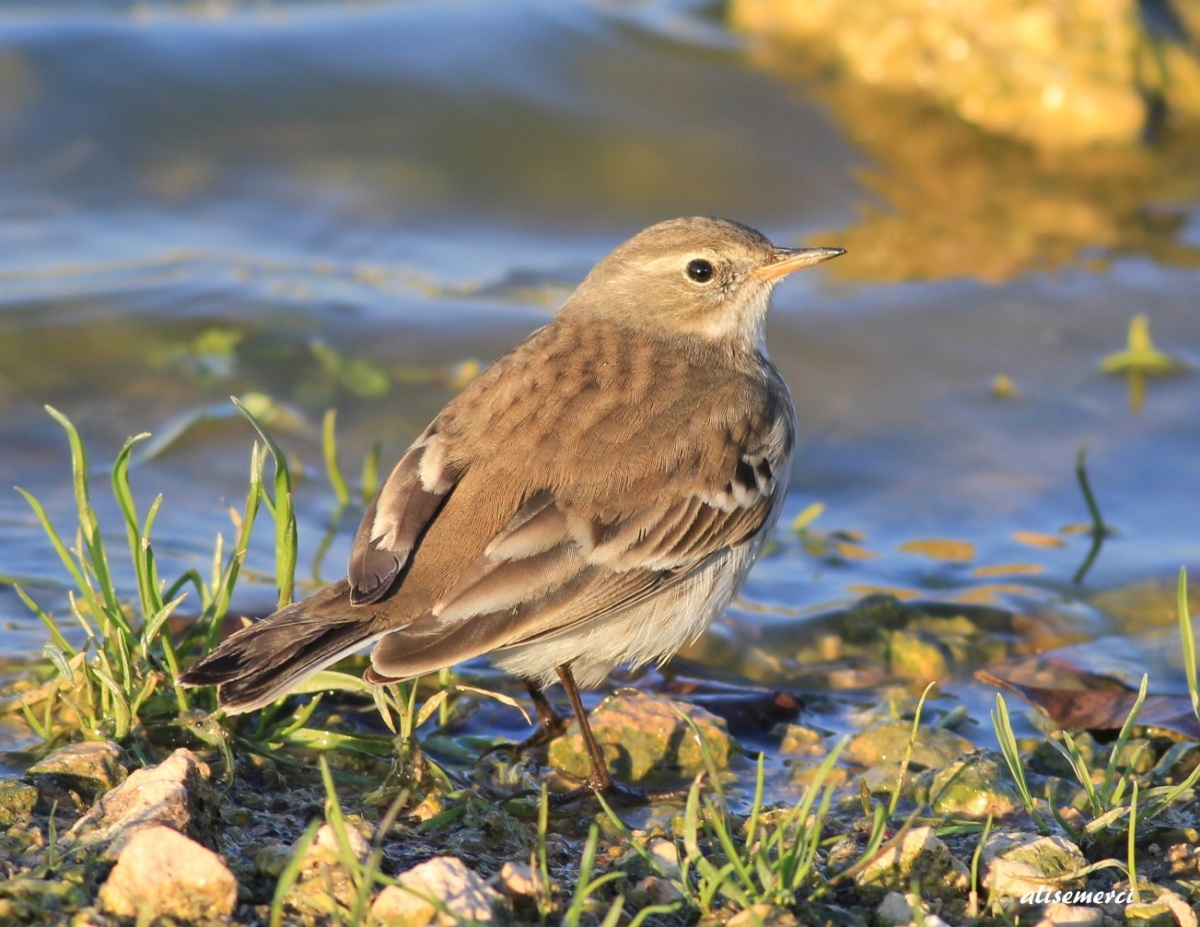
{"type": "Point", "coordinates": [1149, 914]}
{"type": "Point", "coordinates": [1018, 863]}
{"type": "Point", "coordinates": [666, 857]}
{"type": "Point", "coordinates": [1055, 76]}
{"type": "Point", "coordinates": [885, 742]}
{"type": "Point", "coordinates": [90, 768]}
{"type": "Point", "coordinates": [1185, 914]}
{"type": "Point", "coordinates": [763, 915]}
{"type": "Point", "coordinates": [798, 739]}
{"type": "Point", "coordinates": [920, 854]}
{"type": "Point", "coordinates": [324, 881]}
{"type": "Point", "coordinates": [976, 786]}
{"type": "Point", "coordinates": [895, 910]}
{"type": "Point", "coordinates": [464, 894]}
{"type": "Point", "coordinates": [1060, 914]}
{"type": "Point", "coordinates": [915, 657]}
{"type": "Point", "coordinates": [326, 849]}
{"type": "Point", "coordinates": [160, 873]}
{"type": "Point", "coordinates": [518, 880]}
{"type": "Point", "coordinates": [17, 800]}
{"type": "Point", "coordinates": [653, 890]}
{"type": "Point", "coordinates": [175, 794]}
{"type": "Point", "coordinates": [644, 740]}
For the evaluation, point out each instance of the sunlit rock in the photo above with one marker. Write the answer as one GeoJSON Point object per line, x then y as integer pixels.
{"type": "Point", "coordinates": [174, 794]}
{"type": "Point", "coordinates": [465, 896]}
{"type": "Point", "coordinates": [976, 786]}
{"type": "Point", "coordinates": [644, 739]}
{"type": "Point", "coordinates": [16, 801]}
{"type": "Point", "coordinates": [1057, 76]}
{"type": "Point", "coordinates": [920, 857]}
{"type": "Point", "coordinates": [89, 768]}
{"type": "Point", "coordinates": [1017, 863]}
{"type": "Point", "coordinates": [162, 874]}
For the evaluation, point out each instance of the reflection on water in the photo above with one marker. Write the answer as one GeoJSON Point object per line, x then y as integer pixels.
{"type": "Point", "coordinates": [352, 206]}
{"type": "Point", "coordinates": [947, 200]}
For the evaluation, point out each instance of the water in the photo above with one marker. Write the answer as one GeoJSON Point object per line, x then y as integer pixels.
{"type": "Point", "coordinates": [199, 200]}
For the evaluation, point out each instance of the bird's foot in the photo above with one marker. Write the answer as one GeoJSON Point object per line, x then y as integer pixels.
{"type": "Point", "coordinates": [547, 730]}
{"type": "Point", "coordinates": [617, 793]}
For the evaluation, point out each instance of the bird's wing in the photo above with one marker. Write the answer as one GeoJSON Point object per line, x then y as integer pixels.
{"type": "Point", "coordinates": [394, 522]}
{"type": "Point", "coordinates": [566, 558]}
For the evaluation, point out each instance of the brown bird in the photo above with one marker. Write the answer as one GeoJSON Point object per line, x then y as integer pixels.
{"type": "Point", "coordinates": [593, 499]}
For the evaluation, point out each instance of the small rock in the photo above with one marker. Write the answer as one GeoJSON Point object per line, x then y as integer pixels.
{"type": "Point", "coordinates": [1149, 914]}
{"type": "Point", "coordinates": [90, 768]}
{"type": "Point", "coordinates": [175, 793]}
{"type": "Point", "coordinates": [895, 910]}
{"type": "Point", "coordinates": [797, 739]}
{"type": "Point", "coordinates": [41, 901]}
{"type": "Point", "coordinates": [658, 858]}
{"type": "Point", "coordinates": [327, 850]}
{"type": "Point", "coordinates": [666, 855]}
{"type": "Point", "coordinates": [763, 915]}
{"type": "Point", "coordinates": [1059, 914]}
{"type": "Point", "coordinates": [885, 743]}
{"type": "Point", "coordinates": [324, 881]}
{"type": "Point", "coordinates": [430, 807]}
{"type": "Point", "coordinates": [919, 854]}
{"type": "Point", "coordinates": [914, 657]}
{"type": "Point", "coordinates": [272, 859]}
{"type": "Point", "coordinates": [466, 896]}
{"type": "Point", "coordinates": [652, 891]}
{"type": "Point", "coordinates": [1018, 863]}
{"type": "Point", "coordinates": [976, 786]}
{"type": "Point", "coordinates": [16, 801]}
{"type": "Point", "coordinates": [518, 880]}
{"type": "Point", "coordinates": [1185, 914]}
{"type": "Point", "coordinates": [645, 740]}
{"type": "Point", "coordinates": [162, 874]}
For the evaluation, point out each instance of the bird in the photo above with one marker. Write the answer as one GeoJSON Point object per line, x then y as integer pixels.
{"type": "Point", "coordinates": [594, 498]}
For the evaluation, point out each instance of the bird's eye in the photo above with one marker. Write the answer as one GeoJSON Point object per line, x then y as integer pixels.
{"type": "Point", "coordinates": [699, 271]}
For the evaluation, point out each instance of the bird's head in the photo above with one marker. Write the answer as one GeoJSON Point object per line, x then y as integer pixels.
{"type": "Point", "coordinates": [700, 276]}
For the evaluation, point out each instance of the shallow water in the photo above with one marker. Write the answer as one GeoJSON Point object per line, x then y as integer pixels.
{"type": "Point", "coordinates": [193, 196]}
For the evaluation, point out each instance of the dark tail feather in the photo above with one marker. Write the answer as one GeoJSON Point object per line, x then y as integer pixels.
{"type": "Point", "coordinates": [260, 663]}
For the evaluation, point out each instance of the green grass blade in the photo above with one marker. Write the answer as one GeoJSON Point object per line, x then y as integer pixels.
{"type": "Point", "coordinates": [121, 713]}
{"type": "Point", "coordinates": [123, 493]}
{"type": "Point", "coordinates": [56, 635]}
{"type": "Point", "coordinates": [285, 516]}
{"type": "Point", "coordinates": [908, 750]}
{"type": "Point", "coordinates": [1188, 637]}
{"type": "Point", "coordinates": [1108, 789]}
{"type": "Point", "coordinates": [223, 589]}
{"type": "Point", "coordinates": [1132, 845]}
{"type": "Point", "coordinates": [332, 468]}
{"type": "Point", "coordinates": [1002, 724]}
{"type": "Point", "coordinates": [93, 543]}
{"type": "Point", "coordinates": [56, 541]}
{"type": "Point", "coordinates": [760, 776]}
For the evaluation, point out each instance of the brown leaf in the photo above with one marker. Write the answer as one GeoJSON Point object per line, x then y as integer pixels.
{"type": "Point", "coordinates": [1103, 709]}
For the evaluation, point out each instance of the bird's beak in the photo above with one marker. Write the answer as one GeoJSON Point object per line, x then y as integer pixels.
{"type": "Point", "coordinates": [789, 259]}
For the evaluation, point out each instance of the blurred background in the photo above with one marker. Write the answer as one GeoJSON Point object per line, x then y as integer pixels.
{"type": "Point", "coordinates": [353, 205]}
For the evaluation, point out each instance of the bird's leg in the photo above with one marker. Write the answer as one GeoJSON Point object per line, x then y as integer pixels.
{"type": "Point", "coordinates": [599, 780]}
{"type": "Point", "coordinates": [550, 724]}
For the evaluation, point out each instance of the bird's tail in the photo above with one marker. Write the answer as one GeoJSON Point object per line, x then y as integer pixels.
{"type": "Point", "coordinates": [260, 663]}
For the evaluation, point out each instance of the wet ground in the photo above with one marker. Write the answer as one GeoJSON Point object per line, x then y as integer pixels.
{"type": "Point", "coordinates": [339, 205]}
